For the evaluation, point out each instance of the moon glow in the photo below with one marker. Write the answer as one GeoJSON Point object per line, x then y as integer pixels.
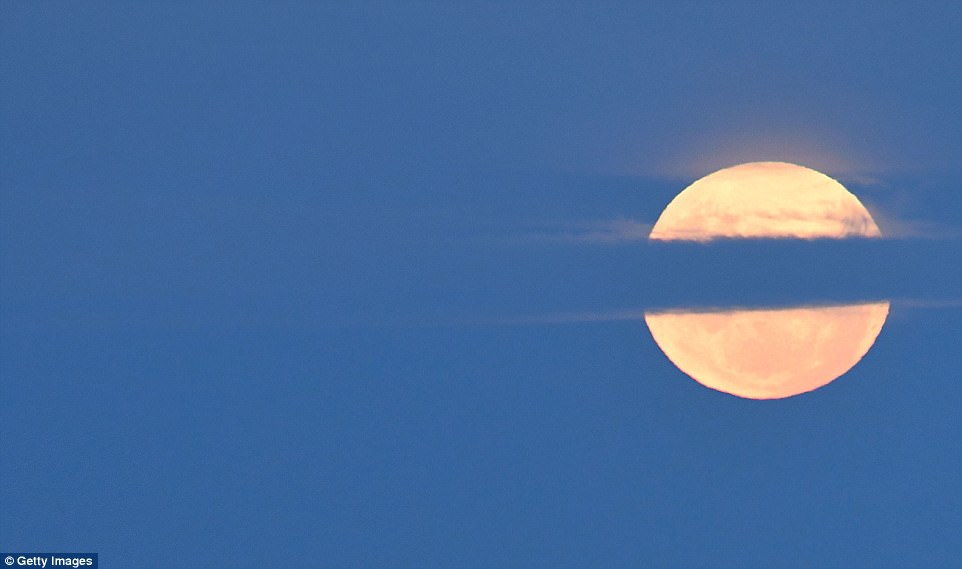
{"type": "Point", "coordinates": [765, 353]}
{"type": "Point", "coordinates": [764, 200]}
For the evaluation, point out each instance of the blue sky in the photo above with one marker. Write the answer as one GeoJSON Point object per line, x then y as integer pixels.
{"type": "Point", "coordinates": [282, 283]}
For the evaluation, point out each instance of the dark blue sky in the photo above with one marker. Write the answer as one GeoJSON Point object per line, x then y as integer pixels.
{"type": "Point", "coordinates": [280, 283]}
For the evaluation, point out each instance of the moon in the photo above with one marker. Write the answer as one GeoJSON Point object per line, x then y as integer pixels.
{"type": "Point", "coordinates": [768, 353]}
{"type": "Point", "coordinates": [764, 200]}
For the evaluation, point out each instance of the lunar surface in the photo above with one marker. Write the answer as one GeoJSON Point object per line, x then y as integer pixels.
{"type": "Point", "coordinates": [768, 353]}
{"type": "Point", "coordinates": [764, 200]}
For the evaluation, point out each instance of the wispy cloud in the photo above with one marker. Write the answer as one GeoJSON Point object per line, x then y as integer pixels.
{"type": "Point", "coordinates": [638, 314]}
{"type": "Point", "coordinates": [613, 231]}
{"type": "Point", "coordinates": [895, 228]}
{"type": "Point", "coordinates": [623, 230]}
{"type": "Point", "coordinates": [928, 303]}
{"type": "Point", "coordinates": [575, 317]}
{"type": "Point", "coordinates": [887, 204]}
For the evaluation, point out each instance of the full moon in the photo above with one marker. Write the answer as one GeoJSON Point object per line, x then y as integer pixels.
{"type": "Point", "coordinates": [765, 353]}
{"type": "Point", "coordinates": [764, 200]}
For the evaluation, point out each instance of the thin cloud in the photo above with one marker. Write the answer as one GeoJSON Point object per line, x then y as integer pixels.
{"type": "Point", "coordinates": [623, 230]}
{"type": "Point", "coordinates": [613, 231]}
{"type": "Point", "coordinates": [894, 228]}
{"type": "Point", "coordinates": [638, 314]}
{"type": "Point", "coordinates": [927, 303]}
{"type": "Point", "coordinates": [575, 317]}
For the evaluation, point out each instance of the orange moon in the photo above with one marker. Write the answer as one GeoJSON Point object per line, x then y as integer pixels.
{"type": "Point", "coordinates": [764, 200]}
{"type": "Point", "coordinates": [766, 353]}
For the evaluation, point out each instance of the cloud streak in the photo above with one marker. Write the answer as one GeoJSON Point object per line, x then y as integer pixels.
{"type": "Point", "coordinates": [624, 230]}
{"type": "Point", "coordinates": [604, 232]}
{"type": "Point", "coordinates": [895, 228]}
{"type": "Point", "coordinates": [638, 314]}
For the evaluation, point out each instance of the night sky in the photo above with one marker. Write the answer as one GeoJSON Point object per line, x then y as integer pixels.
{"type": "Point", "coordinates": [362, 284]}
